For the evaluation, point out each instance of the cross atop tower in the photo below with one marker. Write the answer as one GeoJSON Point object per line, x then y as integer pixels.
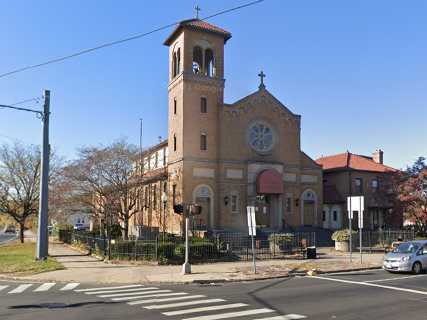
{"type": "Point", "coordinates": [197, 8]}
{"type": "Point", "coordinates": [262, 76]}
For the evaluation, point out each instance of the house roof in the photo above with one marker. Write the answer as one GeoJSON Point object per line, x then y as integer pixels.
{"type": "Point", "coordinates": [199, 25]}
{"type": "Point", "coordinates": [353, 161]}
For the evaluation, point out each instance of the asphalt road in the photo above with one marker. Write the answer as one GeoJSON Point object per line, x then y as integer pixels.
{"type": "Point", "coordinates": [4, 237]}
{"type": "Point", "coordinates": [359, 295]}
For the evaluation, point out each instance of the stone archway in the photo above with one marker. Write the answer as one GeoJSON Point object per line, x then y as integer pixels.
{"type": "Point", "coordinates": [309, 208]}
{"type": "Point", "coordinates": [204, 196]}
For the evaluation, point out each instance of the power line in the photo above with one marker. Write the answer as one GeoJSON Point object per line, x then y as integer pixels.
{"type": "Point", "coordinates": [116, 42]}
{"type": "Point", "coordinates": [36, 99]}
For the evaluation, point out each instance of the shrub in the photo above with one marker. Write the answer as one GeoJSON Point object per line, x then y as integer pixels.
{"type": "Point", "coordinates": [199, 250]}
{"type": "Point", "coordinates": [342, 235]}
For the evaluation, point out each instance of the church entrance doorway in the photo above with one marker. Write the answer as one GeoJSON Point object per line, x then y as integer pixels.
{"type": "Point", "coordinates": [308, 208]}
{"type": "Point", "coordinates": [269, 191]}
{"type": "Point", "coordinates": [203, 196]}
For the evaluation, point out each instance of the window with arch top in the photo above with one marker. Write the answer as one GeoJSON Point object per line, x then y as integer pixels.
{"type": "Point", "coordinates": [197, 60]}
{"type": "Point", "coordinates": [209, 63]}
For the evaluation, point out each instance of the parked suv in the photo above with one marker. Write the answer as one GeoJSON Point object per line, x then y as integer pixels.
{"type": "Point", "coordinates": [407, 257]}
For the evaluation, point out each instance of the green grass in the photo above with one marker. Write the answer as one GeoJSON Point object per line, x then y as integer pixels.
{"type": "Point", "coordinates": [17, 258]}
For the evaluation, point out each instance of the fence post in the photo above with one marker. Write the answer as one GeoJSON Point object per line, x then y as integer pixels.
{"type": "Point", "coordinates": [156, 248]}
{"type": "Point", "coordinates": [274, 245]}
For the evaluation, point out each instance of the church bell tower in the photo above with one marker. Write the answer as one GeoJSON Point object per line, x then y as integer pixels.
{"type": "Point", "coordinates": [196, 96]}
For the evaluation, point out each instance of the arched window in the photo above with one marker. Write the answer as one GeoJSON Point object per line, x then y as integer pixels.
{"type": "Point", "coordinates": [197, 60]}
{"type": "Point", "coordinates": [203, 142]}
{"type": "Point", "coordinates": [174, 65]}
{"type": "Point", "coordinates": [178, 61]}
{"type": "Point", "coordinates": [209, 63]}
{"type": "Point", "coordinates": [174, 142]}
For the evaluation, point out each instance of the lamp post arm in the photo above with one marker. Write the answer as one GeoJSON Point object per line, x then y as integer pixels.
{"type": "Point", "coordinates": [38, 112]}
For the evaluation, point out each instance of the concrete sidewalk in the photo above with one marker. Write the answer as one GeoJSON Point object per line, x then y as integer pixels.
{"type": "Point", "coordinates": [88, 269]}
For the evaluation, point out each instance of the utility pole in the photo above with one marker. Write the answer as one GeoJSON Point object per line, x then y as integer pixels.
{"type": "Point", "coordinates": [42, 233]}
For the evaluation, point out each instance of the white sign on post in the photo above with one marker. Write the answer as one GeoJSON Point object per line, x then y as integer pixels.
{"type": "Point", "coordinates": [355, 204]}
{"type": "Point", "coordinates": [251, 220]}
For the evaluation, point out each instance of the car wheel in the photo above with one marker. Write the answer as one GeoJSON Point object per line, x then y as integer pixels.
{"type": "Point", "coordinates": [417, 268]}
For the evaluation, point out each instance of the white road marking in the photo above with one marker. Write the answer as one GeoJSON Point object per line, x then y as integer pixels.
{"type": "Point", "coordinates": [21, 288]}
{"type": "Point", "coordinates": [166, 299]}
{"type": "Point", "coordinates": [151, 295]}
{"type": "Point", "coordinates": [183, 304]}
{"type": "Point", "coordinates": [204, 309]}
{"type": "Point", "coordinates": [290, 316]}
{"type": "Point", "coordinates": [396, 278]}
{"type": "Point", "coordinates": [108, 288]}
{"type": "Point", "coordinates": [231, 314]}
{"type": "Point", "coordinates": [3, 287]}
{"type": "Point", "coordinates": [371, 285]}
{"type": "Point", "coordinates": [70, 286]}
{"type": "Point", "coordinates": [130, 293]}
{"type": "Point", "coordinates": [120, 290]}
{"type": "Point", "coordinates": [45, 287]}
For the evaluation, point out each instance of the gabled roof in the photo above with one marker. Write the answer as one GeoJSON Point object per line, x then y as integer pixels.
{"type": "Point", "coordinates": [349, 160]}
{"type": "Point", "coordinates": [198, 25]}
{"type": "Point", "coordinates": [260, 92]}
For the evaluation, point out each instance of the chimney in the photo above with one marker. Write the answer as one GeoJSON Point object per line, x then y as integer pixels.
{"type": "Point", "coordinates": [378, 156]}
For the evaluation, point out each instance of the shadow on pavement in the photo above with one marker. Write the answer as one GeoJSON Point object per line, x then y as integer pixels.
{"type": "Point", "coordinates": [58, 305]}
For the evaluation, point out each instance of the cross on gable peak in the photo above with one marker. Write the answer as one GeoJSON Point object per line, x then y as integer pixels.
{"type": "Point", "coordinates": [197, 9]}
{"type": "Point", "coordinates": [262, 76]}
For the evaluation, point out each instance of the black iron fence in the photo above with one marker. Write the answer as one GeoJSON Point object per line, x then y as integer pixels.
{"type": "Point", "coordinates": [383, 239]}
{"type": "Point", "coordinates": [171, 249]}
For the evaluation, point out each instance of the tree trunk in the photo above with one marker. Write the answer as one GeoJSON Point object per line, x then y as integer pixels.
{"type": "Point", "coordinates": [21, 232]}
{"type": "Point", "coordinates": [125, 229]}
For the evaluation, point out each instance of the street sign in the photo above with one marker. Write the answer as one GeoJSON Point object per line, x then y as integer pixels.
{"type": "Point", "coordinates": [251, 220]}
{"type": "Point", "coordinates": [355, 204]}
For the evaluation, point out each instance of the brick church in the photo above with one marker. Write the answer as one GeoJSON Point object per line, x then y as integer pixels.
{"type": "Point", "coordinates": [225, 156]}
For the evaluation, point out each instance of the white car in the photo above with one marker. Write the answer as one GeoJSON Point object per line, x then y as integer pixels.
{"type": "Point", "coordinates": [407, 257]}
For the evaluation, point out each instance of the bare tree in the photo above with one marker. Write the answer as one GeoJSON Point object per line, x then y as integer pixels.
{"type": "Point", "coordinates": [19, 182]}
{"type": "Point", "coordinates": [104, 180]}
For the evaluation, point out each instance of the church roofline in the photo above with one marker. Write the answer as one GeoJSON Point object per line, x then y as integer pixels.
{"type": "Point", "coordinates": [242, 100]}
{"type": "Point", "coordinates": [198, 25]}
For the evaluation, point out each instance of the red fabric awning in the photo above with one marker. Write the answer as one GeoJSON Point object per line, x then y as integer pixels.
{"type": "Point", "coordinates": [269, 182]}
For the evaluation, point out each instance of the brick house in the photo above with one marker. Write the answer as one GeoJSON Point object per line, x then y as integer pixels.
{"type": "Point", "coordinates": [349, 174]}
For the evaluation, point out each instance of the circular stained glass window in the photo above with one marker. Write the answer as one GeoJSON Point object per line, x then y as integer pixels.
{"type": "Point", "coordinates": [261, 137]}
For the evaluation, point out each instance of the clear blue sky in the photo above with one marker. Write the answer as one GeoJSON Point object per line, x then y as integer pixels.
{"type": "Point", "coordinates": [355, 70]}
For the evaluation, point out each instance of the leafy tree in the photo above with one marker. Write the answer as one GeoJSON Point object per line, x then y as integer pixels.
{"type": "Point", "coordinates": [412, 194]}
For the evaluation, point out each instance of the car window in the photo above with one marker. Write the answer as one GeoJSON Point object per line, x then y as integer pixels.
{"type": "Point", "coordinates": [407, 247]}
{"type": "Point", "coordinates": [425, 249]}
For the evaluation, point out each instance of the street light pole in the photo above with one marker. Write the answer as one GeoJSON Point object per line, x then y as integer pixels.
{"type": "Point", "coordinates": [42, 234]}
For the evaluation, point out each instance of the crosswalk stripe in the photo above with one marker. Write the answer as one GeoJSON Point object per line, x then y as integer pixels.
{"type": "Point", "coordinates": [204, 309]}
{"type": "Point", "coordinates": [157, 294]}
{"type": "Point", "coordinates": [129, 294]}
{"type": "Point", "coordinates": [21, 288]}
{"type": "Point", "coordinates": [231, 314]}
{"type": "Point", "coordinates": [167, 299]}
{"type": "Point", "coordinates": [70, 286]}
{"type": "Point", "coordinates": [110, 288]}
{"type": "Point", "coordinates": [3, 287]}
{"type": "Point", "coordinates": [45, 287]}
{"type": "Point", "coordinates": [121, 290]}
{"type": "Point", "coordinates": [183, 304]}
{"type": "Point", "coordinates": [285, 317]}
